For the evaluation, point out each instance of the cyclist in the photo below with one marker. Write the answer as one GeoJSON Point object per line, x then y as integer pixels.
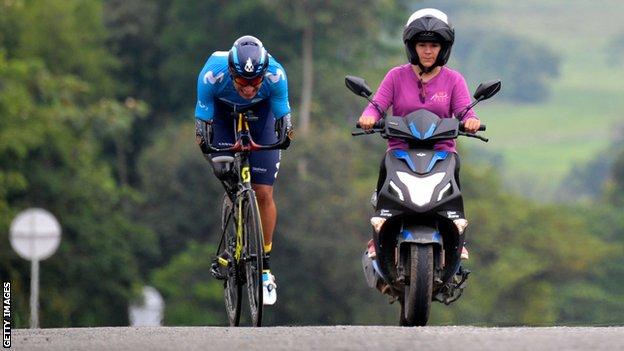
{"type": "Point", "coordinates": [424, 83]}
{"type": "Point", "coordinates": [246, 77]}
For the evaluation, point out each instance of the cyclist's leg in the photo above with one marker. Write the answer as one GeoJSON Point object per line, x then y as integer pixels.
{"type": "Point", "coordinates": [223, 136]}
{"type": "Point", "coordinates": [264, 169]}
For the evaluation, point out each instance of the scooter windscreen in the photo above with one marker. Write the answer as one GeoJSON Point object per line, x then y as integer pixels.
{"type": "Point", "coordinates": [421, 126]}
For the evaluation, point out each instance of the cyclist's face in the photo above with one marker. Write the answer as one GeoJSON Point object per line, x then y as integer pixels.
{"type": "Point", "coordinates": [427, 53]}
{"type": "Point", "coordinates": [247, 89]}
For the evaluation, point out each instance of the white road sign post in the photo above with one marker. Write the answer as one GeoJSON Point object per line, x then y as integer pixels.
{"type": "Point", "coordinates": [149, 311]}
{"type": "Point", "coordinates": [35, 235]}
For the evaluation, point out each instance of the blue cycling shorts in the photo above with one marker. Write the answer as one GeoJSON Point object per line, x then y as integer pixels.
{"type": "Point", "coordinates": [264, 164]}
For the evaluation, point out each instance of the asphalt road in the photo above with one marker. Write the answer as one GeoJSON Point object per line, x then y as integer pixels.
{"type": "Point", "coordinates": [319, 338]}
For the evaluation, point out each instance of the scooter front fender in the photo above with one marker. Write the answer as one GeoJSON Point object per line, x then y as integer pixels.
{"type": "Point", "coordinates": [420, 234]}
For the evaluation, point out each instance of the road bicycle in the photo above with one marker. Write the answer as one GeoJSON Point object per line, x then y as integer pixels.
{"type": "Point", "coordinates": [242, 238]}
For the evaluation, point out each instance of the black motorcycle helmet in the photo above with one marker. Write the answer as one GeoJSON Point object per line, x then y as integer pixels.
{"type": "Point", "coordinates": [248, 58]}
{"type": "Point", "coordinates": [428, 25]}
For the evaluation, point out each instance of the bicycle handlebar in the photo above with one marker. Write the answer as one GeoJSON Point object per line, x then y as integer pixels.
{"type": "Point", "coordinates": [285, 137]}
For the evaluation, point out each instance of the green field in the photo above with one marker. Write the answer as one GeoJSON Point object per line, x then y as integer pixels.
{"type": "Point", "coordinates": [541, 142]}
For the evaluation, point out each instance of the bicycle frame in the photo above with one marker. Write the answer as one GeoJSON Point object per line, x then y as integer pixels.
{"type": "Point", "coordinates": [244, 144]}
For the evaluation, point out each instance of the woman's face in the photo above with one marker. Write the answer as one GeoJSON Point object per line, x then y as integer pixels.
{"type": "Point", "coordinates": [427, 53]}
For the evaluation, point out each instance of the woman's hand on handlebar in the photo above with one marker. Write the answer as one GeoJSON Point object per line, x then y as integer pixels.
{"type": "Point", "coordinates": [366, 122]}
{"type": "Point", "coordinates": [471, 125]}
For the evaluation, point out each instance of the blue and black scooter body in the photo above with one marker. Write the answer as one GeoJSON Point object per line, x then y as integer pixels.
{"type": "Point", "coordinates": [419, 198]}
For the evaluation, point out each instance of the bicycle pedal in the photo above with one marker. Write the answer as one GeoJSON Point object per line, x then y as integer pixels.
{"type": "Point", "coordinates": [215, 270]}
{"type": "Point", "coordinates": [222, 261]}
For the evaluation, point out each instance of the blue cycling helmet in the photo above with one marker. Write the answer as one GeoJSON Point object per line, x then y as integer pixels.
{"type": "Point", "coordinates": [248, 58]}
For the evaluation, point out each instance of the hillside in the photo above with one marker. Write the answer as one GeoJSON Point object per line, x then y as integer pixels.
{"type": "Point", "coordinates": [540, 143]}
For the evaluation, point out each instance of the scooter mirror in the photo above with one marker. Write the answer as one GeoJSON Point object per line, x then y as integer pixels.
{"type": "Point", "coordinates": [358, 86]}
{"type": "Point", "coordinates": [488, 89]}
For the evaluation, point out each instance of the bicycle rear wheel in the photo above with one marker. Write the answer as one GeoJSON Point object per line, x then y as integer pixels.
{"type": "Point", "coordinates": [233, 288]}
{"type": "Point", "coordinates": [253, 253]}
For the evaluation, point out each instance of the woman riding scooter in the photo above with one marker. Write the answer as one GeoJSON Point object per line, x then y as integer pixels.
{"type": "Point", "coordinates": [423, 83]}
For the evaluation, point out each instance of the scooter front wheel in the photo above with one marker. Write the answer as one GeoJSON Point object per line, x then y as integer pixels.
{"type": "Point", "coordinates": [417, 295]}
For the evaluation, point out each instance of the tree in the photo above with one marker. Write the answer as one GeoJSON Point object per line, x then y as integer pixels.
{"type": "Point", "coordinates": [53, 69]}
{"type": "Point", "coordinates": [615, 49]}
{"type": "Point", "coordinates": [525, 67]}
{"type": "Point", "coordinates": [354, 34]}
{"type": "Point", "coordinates": [523, 255]}
{"type": "Point", "coordinates": [180, 195]}
{"type": "Point", "coordinates": [192, 296]}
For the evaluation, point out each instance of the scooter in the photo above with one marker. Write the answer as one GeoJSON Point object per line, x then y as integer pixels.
{"type": "Point", "coordinates": [418, 228]}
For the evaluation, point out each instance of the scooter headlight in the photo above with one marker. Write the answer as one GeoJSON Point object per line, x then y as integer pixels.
{"type": "Point", "coordinates": [420, 188]}
{"type": "Point", "coordinates": [444, 192]}
{"type": "Point", "coordinates": [396, 191]}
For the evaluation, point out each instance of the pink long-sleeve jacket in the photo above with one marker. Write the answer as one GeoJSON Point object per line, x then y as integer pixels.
{"type": "Point", "coordinates": [446, 95]}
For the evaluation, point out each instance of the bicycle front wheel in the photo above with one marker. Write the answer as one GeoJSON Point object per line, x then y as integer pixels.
{"type": "Point", "coordinates": [233, 288]}
{"type": "Point", "coordinates": [253, 253]}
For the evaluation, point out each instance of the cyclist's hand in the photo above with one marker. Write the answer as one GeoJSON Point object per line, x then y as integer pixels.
{"type": "Point", "coordinates": [366, 122]}
{"type": "Point", "coordinates": [288, 123]}
{"type": "Point", "coordinates": [471, 125]}
{"type": "Point", "coordinates": [285, 123]}
{"type": "Point", "coordinates": [203, 134]}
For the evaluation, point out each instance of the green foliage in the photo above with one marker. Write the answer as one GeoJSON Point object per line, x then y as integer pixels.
{"type": "Point", "coordinates": [131, 28]}
{"type": "Point", "coordinates": [191, 31]}
{"type": "Point", "coordinates": [54, 156]}
{"type": "Point", "coordinates": [524, 254]}
{"type": "Point", "coordinates": [192, 296]}
{"type": "Point", "coordinates": [615, 184]}
{"type": "Point", "coordinates": [67, 36]}
{"type": "Point", "coordinates": [615, 48]}
{"type": "Point", "coordinates": [525, 67]}
{"type": "Point", "coordinates": [323, 229]}
{"type": "Point", "coordinates": [52, 70]}
{"type": "Point", "coordinates": [595, 297]}
{"type": "Point", "coordinates": [180, 195]}
{"type": "Point", "coordinates": [334, 53]}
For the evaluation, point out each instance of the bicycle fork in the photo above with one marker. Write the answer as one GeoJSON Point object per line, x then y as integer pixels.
{"type": "Point", "coordinates": [239, 230]}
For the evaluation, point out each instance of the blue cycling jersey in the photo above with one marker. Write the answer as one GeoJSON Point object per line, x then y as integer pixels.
{"type": "Point", "coordinates": [215, 82]}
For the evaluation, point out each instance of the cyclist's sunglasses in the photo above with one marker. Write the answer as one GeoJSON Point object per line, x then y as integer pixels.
{"type": "Point", "coordinates": [254, 82]}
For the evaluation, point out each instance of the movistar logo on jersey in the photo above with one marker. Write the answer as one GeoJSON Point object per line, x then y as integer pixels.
{"type": "Point", "coordinates": [274, 78]}
{"type": "Point", "coordinates": [249, 65]}
{"type": "Point", "coordinates": [210, 77]}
